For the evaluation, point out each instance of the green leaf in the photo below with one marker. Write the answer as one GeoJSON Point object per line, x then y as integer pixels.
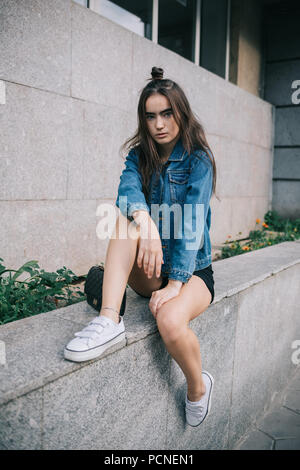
{"type": "Point", "coordinates": [29, 267]}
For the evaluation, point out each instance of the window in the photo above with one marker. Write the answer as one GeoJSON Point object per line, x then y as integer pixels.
{"type": "Point", "coordinates": [84, 3]}
{"type": "Point", "coordinates": [213, 41]}
{"type": "Point", "coordinates": [195, 29]}
{"type": "Point", "coordinates": [176, 26]}
{"type": "Point", "coordinates": [135, 15]}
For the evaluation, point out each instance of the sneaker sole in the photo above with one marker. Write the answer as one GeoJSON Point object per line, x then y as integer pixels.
{"type": "Point", "coordinates": [80, 356]}
{"type": "Point", "coordinates": [209, 399]}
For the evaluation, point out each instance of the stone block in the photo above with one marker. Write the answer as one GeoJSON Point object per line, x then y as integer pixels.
{"type": "Point", "coordinates": [60, 153]}
{"type": "Point", "coordinates": [34, 350]}
{"type": "Point", "coordinates": [35, 44]}
{"type": "Point", "coordinates": [250, 119]}
{"type": "Point", "coordinates": [21, 422]}
{"type": "Point", "coordinates": [41, 149]}
{"type": "Point", "coordinates": [101, 60]}
{"type": "Point", "coordinates": [262, 172]}
{"type": "Point", "coordinates": [109, 405]}
{"type": "Point", "coordinates": [286, 163]}
{"type": "Point", "coordinates": [221, 211]}
{"type": "Point", "coordinates": [55, 233]}
{"type": "Point", "coordinates": [105, 129]}
{"type": "Point", "coordinates": [248, 209]}
{"type": "Point", "coordinates": [287, 126]}
{"type": "Point", "coordinates": [232, 112]}
{"type": "Point", "coordinates": [234, 169]}
{"type": "Point", "coordinates": [286, 197]}
{"type": "Point", "coordinates": [201, 87]}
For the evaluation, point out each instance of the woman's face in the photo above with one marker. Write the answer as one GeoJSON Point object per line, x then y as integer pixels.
{"type": "Point", "coordinates": [160, 119]}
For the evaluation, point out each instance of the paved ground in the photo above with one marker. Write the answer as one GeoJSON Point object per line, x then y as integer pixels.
{"type": "Point", "coordinates": [279, 429]}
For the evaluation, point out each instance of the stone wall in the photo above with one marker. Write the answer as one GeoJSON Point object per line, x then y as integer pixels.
{"type": "Point", "coordinates": [133, 396]}
{"type": "Point", "coordinates": [70, 81]}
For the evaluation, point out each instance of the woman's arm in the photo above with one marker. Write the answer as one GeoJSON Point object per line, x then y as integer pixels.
{"type": "Point", "coordinates": [150, 254]}
{"type": "Point", "coordinates": [199, 191]}
{"type": "Point", "coordinates": [130, 195]}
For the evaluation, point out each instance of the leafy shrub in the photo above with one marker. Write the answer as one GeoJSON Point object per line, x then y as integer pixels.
{"type": "Point", "coordinates": [278, 224]}
{"type": "Point", "coordinates": [288, 230]}
{"type": "Point", "coordinates": [38, 293]}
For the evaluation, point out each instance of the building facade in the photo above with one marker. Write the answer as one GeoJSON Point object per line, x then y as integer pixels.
{"type": "Point", "coordinates": [70, 78]}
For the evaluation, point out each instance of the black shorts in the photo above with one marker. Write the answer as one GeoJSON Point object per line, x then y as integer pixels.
{"type": "Point", "coordinates": [206, 274]}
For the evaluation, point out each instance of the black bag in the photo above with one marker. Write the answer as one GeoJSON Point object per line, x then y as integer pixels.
{"type": "Point", "coordinates": [93, 289]}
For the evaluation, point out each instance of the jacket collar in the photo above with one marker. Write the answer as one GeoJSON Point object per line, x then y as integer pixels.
{"type": "Point", "coordinates": [177, 152]}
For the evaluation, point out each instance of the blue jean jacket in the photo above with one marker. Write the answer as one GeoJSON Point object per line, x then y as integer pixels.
{"type": "Point", "coordinates": [178, 203]}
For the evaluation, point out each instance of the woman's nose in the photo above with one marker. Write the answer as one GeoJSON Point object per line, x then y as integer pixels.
{"type": "Point", "coordinates": [159, 122]}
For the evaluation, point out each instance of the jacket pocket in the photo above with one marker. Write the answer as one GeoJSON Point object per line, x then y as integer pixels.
{"type": "Point", "coordinates": [178, 185]}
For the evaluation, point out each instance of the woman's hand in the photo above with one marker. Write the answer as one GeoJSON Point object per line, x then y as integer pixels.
{"type": "Point", "coordinates": [150, 254]}
{"type": "Point", "coordinates": [159, 297]}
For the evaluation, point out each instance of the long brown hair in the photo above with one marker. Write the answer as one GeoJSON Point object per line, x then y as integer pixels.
{"type": "Point", "coordinates": [191, 131]}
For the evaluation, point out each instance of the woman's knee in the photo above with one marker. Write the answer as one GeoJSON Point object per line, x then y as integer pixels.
{"type": "Point", "coordinates": [170, 325]}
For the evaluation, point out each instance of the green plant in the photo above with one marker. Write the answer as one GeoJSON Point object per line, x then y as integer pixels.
{"type": "Point", "coordinates": [38, 293]}
{"type": "Point", "coordinates": [279, 224]}
{"type": "Point", "coordinates": [231, 249]}
{"type": "Point", "coordinates": [288, 231]}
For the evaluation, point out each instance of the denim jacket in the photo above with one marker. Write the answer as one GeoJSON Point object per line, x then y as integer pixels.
{"type": "Point", "coordinates": [178, 202]}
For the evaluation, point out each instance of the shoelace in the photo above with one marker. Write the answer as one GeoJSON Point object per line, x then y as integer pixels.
{"type": "Point", "coordinates": [196, 410]}
{"type": "Point", "coordinates": [92, 329]}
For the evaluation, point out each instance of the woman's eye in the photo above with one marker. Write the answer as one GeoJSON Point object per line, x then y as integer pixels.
{"type": "Point", "coordinates": [168, 114]}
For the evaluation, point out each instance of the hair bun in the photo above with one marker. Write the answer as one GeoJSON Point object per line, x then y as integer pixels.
{"type": "Point", "coordinates": [157, 73]}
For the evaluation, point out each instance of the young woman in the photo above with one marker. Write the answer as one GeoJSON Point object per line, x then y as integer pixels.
{"type": "Point", "coordinates": [169, 166]}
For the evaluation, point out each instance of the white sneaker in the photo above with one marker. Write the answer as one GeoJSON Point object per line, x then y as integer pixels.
{"type": "Point", "coordinates": [100, 334]}
{"type": "Point", "coordinates": [197, 411]}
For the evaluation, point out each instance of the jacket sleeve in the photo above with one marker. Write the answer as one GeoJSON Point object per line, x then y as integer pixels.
{"type": "Point", "coordinates": [130, 195]}
{"type": "Point", "coordinates": [194, 215]}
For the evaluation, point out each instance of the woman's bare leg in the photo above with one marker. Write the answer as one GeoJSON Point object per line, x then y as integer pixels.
{"type": "Point", "coordinates": [181, 342]}
{"type": "Point", "coordinates": [121, 268]}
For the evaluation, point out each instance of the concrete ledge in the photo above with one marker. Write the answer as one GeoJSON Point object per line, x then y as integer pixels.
{"type": "Point", "coordinates": [133, 396]}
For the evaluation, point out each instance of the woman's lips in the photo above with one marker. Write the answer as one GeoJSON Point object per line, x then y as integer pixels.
{"type": "Point", "coordinates": [161, 135]}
